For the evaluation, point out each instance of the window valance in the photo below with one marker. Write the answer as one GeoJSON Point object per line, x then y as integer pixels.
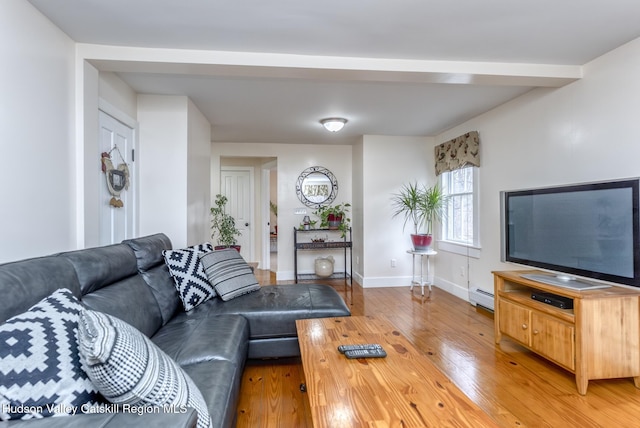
{"type": "Point", "coordinates": [458, 153]}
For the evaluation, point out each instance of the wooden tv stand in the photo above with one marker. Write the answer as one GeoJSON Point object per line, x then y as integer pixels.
{"type": "Point", "coordinates": [598, 339]}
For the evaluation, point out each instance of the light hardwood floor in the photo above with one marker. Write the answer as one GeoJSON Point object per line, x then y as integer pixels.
{"type": "Point", "coordinates": [514, 386]}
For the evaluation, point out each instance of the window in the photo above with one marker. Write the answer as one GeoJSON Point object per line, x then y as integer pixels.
{"type": "Point", "coordinates": [460, 224]}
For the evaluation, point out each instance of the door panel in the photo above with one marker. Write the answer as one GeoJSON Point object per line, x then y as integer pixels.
{"type": "Point", "coordinates": [116, 223]}
{"type": "Point", "coordinates": [554, 339]}
{"type": "Point", "coordinates": [515, 321]}
{"type": "Point", "coordinates": [237, 186]}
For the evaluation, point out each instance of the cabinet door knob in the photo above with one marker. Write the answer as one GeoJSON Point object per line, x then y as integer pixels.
{"type": "Point", "coordinates": [524, 326]}
{"type": "Point", "coordinates": [535, 332]}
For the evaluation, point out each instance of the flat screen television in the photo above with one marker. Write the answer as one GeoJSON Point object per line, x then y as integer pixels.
{"type": "Point", "coordinates": [584, 230]}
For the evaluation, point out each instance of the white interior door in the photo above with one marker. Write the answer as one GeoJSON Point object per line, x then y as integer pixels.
{"type": "Point", "coordinates": [237, 186]}
{"type": "Point", "coordinates": [116, 222]}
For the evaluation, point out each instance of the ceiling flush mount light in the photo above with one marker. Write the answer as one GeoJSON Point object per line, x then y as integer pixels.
{"type": "Point", "coordinates": [333, 124]}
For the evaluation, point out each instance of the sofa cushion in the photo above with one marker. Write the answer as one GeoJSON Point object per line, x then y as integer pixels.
{"type": "Point", "coordinates": [101, 266]}
{"type": "Point", "coordinates": [273, 310]}
{"type": "Point", "coordinates": [191, 282]}
{"type": "Point", "coordinates": [154, 271]}
{"type": "Point", "coordinates": [39, 364]}
{"type": "Point", "coordinates": [127, 368]}
{"type": "Point", "coordinates": [189, 340]}
{"type": "Point", "coordinates": [219, 381]}
{"type": "Point", "coordinates": [229, 273]}
{"type": "Point", "coordinates": [26, 282]}
{"type": "Point", "coordinates": [130, 300]}
{"type": "Point", "coordinates": [110, 283]}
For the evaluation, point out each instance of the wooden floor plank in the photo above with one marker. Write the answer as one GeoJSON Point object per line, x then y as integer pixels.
{"type": "Point", "coordinates": [514, 386]}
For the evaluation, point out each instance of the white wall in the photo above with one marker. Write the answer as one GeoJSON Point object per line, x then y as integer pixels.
{"type": "Point", "coordinates": [37, 214]}
{"type": "Point", "coordinates": [87, 150]}
{"type": "Point", "coordinates": [357, 173]}
{"type": "Point", "coordinates": [292, 160]}
{"type": "Point", "coordinates": [586, 131]}
{"type": "Point", "coordinates": [387, 164]}
{"type": "Point", "coordinates": [162, 166]}
{"type": "Point", "coordinates": [119, 94]}
{"type": "Point", "coordinates": [198, 178]}
{"type": "Point", "coordinates": [174, 169]}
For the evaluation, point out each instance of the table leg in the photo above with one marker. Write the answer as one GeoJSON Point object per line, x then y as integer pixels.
{"type": "Point", "coordinates": [413, 271]}
{"type": "Point", "coordinates": [421, 275]}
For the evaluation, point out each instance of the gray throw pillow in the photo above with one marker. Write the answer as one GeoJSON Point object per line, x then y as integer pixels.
{"type": "Point", "coordinates": [40, 370]}
{"type": "Point", "coordinates": [127, 368]}
{"type": "Point", "coordinates": [229, 273]}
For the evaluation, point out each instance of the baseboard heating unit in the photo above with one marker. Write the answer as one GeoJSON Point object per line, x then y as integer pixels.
{"type": "Point", "coordinates": [484, 299]}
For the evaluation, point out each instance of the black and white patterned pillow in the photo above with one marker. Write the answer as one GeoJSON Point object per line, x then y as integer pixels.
{"type": "Point", "coordinates": [128, 368]}
{"type": "Point", "coordinates": [229, 273]}
{"type": "Point", "coordinates": [188, 275]}
{"type": "Point", "coordinates": [40, 370]}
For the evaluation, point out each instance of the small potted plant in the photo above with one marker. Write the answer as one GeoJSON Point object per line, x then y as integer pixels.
{"type": "Point", "coordinates": [334, 217]}
{"type": "Point", "coordinates": [223, 225]}
{"type": "Point", "coordinates": [423, 206]}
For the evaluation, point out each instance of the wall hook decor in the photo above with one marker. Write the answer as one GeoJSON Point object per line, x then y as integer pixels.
{"type": "Point", "coordinates": [117, 178]}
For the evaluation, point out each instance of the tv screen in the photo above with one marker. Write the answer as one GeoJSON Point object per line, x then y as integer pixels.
{"type": "Point", "coordinates": [590, 230]}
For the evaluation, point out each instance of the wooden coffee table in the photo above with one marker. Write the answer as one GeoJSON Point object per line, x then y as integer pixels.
{"type": "Point", "coordinates": [402, 390]}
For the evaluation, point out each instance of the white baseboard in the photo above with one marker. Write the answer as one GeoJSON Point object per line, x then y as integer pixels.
{"type": "Point", "coordinates": [385, 281]}
{"type": "Point", "coordinates": [289, 275]}
{"type": "Point", "coordinates": [452, 288]}
{"type": "Point", "coordinates": [285, 275]}
{"type": "Point", "coordinates": [392, 281]}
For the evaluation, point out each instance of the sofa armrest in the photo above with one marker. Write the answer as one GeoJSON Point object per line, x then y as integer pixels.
{"type": "Point", "coordinates": [112, 420]}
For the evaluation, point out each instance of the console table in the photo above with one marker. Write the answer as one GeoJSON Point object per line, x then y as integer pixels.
{"type": "Point", "coordinates": [422, 282]}
{"type": "Point", "coordinates": [599, 338]}
{"type": "Point", "coordinates": [307, 244]}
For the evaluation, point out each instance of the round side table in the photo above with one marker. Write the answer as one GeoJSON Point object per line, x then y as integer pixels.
{"type": "Point", "coordinates": [423, 254]}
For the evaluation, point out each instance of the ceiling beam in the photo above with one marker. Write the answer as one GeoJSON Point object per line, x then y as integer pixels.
{"type": "Point", "coordinates": [287, 66]}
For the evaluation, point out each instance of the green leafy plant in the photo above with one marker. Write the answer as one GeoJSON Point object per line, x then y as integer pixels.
{"type": "Point", "coordinates": [422, 205]}
{"type": "Point", "coordinates": [334, 213]}
{"type": "Point", "coordinates": [223, 225]}
{"type": "Point", "coordinates": [406, 203]}
{"type": "Point", "coordinates": [433, 205]}
{"type": "Point", "coordinates": [274, 208]}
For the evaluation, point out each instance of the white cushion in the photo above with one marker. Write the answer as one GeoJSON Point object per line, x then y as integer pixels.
{"type": "Point", "coordinates": [127, 368]}
{"type": "Point", "coordinates": [40, 370]}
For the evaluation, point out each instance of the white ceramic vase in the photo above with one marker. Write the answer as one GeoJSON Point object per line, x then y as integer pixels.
{"type": "Point", "coordinates": [324, 266]}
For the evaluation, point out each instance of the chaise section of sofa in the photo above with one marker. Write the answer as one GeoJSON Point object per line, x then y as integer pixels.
{"type": "Point", "coordinates": [271, 311]}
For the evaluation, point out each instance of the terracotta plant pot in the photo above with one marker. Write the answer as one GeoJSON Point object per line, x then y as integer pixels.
{"type": "Point", "coordinates": [421, 242]}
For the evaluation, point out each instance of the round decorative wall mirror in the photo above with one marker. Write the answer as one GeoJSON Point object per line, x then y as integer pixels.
{"type": "Point", "coordinates": [316, 186]}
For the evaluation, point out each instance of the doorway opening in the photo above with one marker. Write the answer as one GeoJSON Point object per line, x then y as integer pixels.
{"type": "Point", "coordinates": [259, 224]}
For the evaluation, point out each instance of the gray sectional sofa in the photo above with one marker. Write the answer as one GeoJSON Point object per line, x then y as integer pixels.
{"type": "Point", "coordinates": [211, 343]}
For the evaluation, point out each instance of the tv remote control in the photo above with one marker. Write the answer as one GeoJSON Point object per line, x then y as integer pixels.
{"type": "Point", "coordinates": [366, 353]}
{"type": "Point", "coordinates": [343, 348]}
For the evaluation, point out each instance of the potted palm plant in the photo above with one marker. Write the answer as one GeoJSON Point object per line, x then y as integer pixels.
{"type": "Point", "coordinates": [223, 225]}
{"type": "Point", "coordinates": [423, 206]}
